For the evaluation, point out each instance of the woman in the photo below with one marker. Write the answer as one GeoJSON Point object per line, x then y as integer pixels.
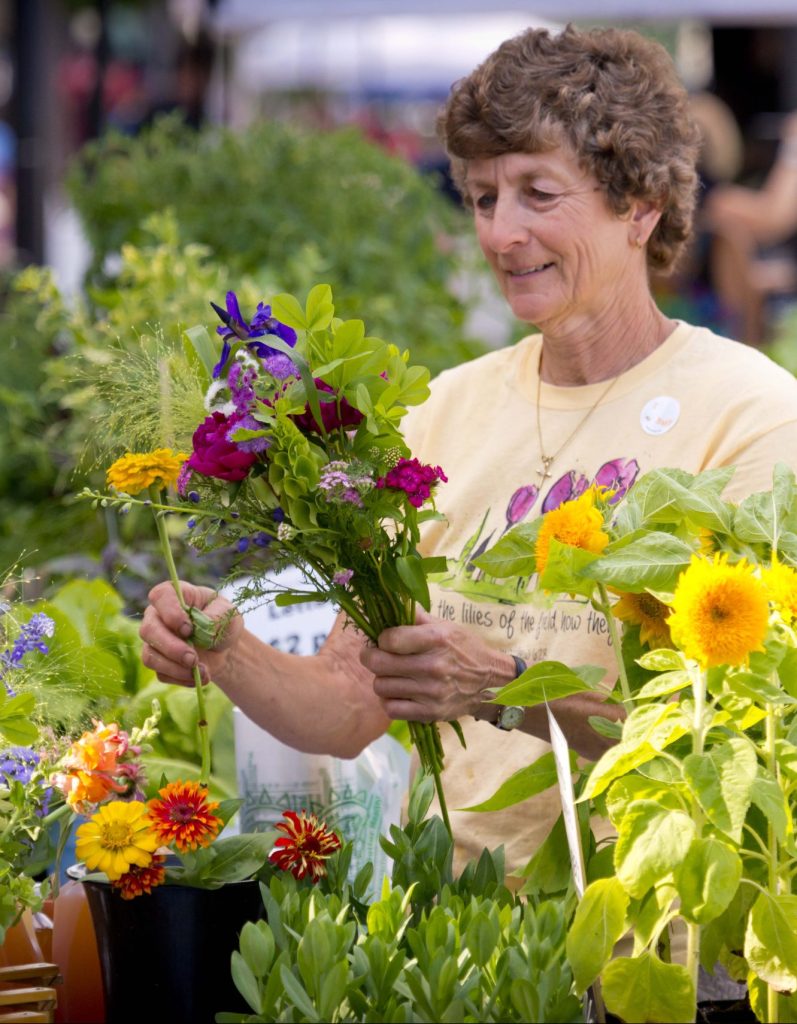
{"type": "Point", "coordinates": [576, 154]}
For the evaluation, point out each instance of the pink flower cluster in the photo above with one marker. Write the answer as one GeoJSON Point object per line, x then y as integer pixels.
{"type": "Point", "coordinates": [415, 479]}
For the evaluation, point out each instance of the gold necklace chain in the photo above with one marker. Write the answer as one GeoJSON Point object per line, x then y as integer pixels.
{"type": "Point", "coordinates": [548, 460]}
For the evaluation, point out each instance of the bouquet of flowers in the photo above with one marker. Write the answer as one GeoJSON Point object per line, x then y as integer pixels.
{"type": "Point", "coordinates": [301, 460]}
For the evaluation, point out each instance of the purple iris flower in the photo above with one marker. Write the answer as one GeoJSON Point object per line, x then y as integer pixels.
{"type": "Point", "coordinates": [234, 326]}
{"type": "Point", "coordinates": [566, 488]}
{"type": "Point", "coordinates": [618, 475]}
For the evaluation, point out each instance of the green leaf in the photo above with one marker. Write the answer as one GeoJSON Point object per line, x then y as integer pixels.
{"type": "Point", "coordinates": [482, 937]}
{"type": "Point", "coordinates": [723, 780]}
{"type": "Point", "coordinates": [239, 857]}
{"type": "Point", "coordinates": [283, 599]}
{"type": "Point", "coordinates": [526, 782]}
{"type": "Point", "coordinates": [597, 926]}
{"type": "Point", "coordinates": [654, 562]}
{"type": "Point", "coordinates": [652, 841]}
{"type": "Point", "coordinates": [15, 719]}
{"type": "Point", "coordinates": [297, 995]}
{"type": "Point", "coordinates": [616, 762]}
{"type": "Point", "coordinates": [410, 570]}
{"type": "Point", "coordinates": [513, 554]}
{"type": "Point", "coordinates": [198, 341]}
{"type": "Point", "coordinates": [668, 682]}
{"type": "Point", "coordinates": [545, 681]}
{"type": "Point", "coordinates": [567, 570]}
{"type": "Point", "coordinates": [319, 309]}
{"type": "Point", "coordinates": [663, 660]}
{"type": "Point", "coordinates": [770, 943]}
{"type": "Point", "coordinates": [257, 947]}
{"type": "Point", "coordinates": [645, 988]}
{"type": "Point", "coordinates": [245, 981]}
{"type": "Point", "coordinates": [708, 879]}
{"type": "Point", "coordinates": [770, 799]}
{"type": "Point", "coordinates": [333, 990]}
{"type": "Point", "coordinates": [286, 309]}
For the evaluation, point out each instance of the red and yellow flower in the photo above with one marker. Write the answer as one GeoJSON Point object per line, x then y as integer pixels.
{"type": "Point", "coordinates": [305, 847]}
{"type": "Point", "coordinates": [140, 880]}
{"type": "Point", "coordinates": [183, 815]}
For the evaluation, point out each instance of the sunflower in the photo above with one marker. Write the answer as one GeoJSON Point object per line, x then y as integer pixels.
{"type": "Point", "coordinates": [134, 473]}
{"type": "Point", "coordinates": [138, 880]}
{"type": "Point", "coordinates": [183, 816]}
{"type": "Point", "coordinates": [647, 612]}
{"type": "Point", "coordinates": [781, 584]}
{"type": "Point", "coordinates": [306, 845]}
{"type": "Point", "coordinates": [117, 837]}
{"type": "Point", "coordinates": [577, 523]}
{"type": "Point", "coordinates": [720, 612]}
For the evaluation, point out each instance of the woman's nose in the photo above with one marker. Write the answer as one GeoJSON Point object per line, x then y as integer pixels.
{"type": "Point", "coordinates": [508, 226]}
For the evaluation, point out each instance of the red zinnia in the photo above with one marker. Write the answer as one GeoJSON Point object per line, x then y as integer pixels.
{"type": "Point", "coordinates": [307, 844]}
{"type": "Point", "coordinates": [138, 880]}
{"type": "Point", "coordinates": [183, 816]}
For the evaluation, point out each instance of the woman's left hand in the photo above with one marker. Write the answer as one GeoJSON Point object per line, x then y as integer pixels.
{"type": "Point", "coordinates": [434, 671]}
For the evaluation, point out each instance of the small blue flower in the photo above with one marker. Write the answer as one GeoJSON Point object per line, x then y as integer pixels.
{"type": "Point", "coordinates": [30, 638]}
{"type": "Point", "coordinates": [278, 515]}
{"type": "Point", "coordinates": [234, 326]}
{"type": "Point", "coordinates": [193, 496]}
{"type": "Point", "coordinates": [243, 544]}
{"type": "Point", "coordinates": [191, 524]}
{"type": "Point", "coordinates": [262, 540]}
{"type": "Point", "coordinates": [18, 763]}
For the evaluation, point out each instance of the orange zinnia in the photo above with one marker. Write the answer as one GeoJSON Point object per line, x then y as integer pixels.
{"type": "Point", "coordinates": [139, 880]}
{"type": "Point", "coordinates": [183, 816]}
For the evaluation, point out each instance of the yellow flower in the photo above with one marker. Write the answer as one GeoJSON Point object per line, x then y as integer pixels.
{"type": "Point", "coordinates": [577, 523]}
{"type": "Point", "coordinates": [135, 472]}
{"type": "Point", "coordinates": [117, 837]}
{"type": "Point", "coordinates": [647, 612]}
{"type": "Point", "coordinates": [720, 612]}
{"type": "Point", "coordinates": [781, 583]}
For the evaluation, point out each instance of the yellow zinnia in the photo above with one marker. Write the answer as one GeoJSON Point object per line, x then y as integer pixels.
{"type": "Point", "coordinates": [577, 523]}
{"type": "Point", "coordinates": [720, 612]}
{"type": "Point", "coordinates": [647, 612]}
{"type": "Point", "coordinates": [781, 583]}
{"type": "Point", "coordinates": [117, 837]}
{"type": "Point", "coordinates": [135, 472]}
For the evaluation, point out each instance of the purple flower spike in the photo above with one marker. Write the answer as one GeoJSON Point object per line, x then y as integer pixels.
{"type": "Point", "coordinates": [618, 475]}
{"type": "Point", "coordinates": [520, 503]}
{"type": "Point", "coordinates": [234, 326]}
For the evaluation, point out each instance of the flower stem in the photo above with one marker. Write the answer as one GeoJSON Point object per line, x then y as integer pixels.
{"type": "Point", "coordinates": [698, 735]}
{"type": "Point", "coordinates": [199, 689]}
{"type": "Point", "coordinates": [606, 608]}
{"type": "Point", "coordinates": [772, 728]}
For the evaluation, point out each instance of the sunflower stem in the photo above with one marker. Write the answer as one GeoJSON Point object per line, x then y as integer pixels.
{"type": "Point", "coordinates": [698, 737]}
{"type": "Point", "coordinates": [606, 608]}
{"type": "Point", "coordinates": [199, 689]}
{"type": "Point", "coordinates": [772, 730]}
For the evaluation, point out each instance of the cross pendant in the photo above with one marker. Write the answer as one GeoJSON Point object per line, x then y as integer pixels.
{"type": "Point", "coordinates": [546, 465]}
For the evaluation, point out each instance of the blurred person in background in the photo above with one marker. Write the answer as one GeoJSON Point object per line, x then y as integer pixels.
{"type": "Point", "coordinates": [576, 155]}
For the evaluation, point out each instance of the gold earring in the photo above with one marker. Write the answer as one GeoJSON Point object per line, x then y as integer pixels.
{"type": "Point", "coordinates": [638, 242]}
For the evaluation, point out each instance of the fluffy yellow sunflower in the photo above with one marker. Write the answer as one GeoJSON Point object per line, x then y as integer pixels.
{"type": "Point", "coordinates": [781, 584]}
{"type": "Point", "coordinates": [136, 471]}
{"type": "Point", "coordinates": [577, 523]}
{"type": "Point", "coordinates": [720, 611]}
{"type": "Point", "coordinates": [647, 612]}
{"type": "Point", "coordinates": [116, 838]}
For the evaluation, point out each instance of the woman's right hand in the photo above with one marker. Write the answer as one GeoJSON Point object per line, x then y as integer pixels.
{"type": "Point", "coordinates": [166, 630]}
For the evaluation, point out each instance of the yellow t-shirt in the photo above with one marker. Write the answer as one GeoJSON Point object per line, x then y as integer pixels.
{"type": "Point", "coordinates": [698, 402]}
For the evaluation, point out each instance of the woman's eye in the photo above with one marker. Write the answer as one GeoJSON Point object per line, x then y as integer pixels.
{"type": "Point", "coordinates": [484, 202]}
{"type": "Point", "coordinates": [540, 196]}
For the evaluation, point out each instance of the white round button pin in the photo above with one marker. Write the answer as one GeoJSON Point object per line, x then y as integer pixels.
{"type": "Point", "coordinates": [660, 415]}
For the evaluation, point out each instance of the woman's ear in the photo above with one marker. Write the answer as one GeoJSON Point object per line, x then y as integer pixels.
{"type": "Point", "coordinates": [644, 216]}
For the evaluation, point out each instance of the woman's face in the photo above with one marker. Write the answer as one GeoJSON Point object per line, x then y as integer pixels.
{"type": "Point", "coordinates": [559, 254]}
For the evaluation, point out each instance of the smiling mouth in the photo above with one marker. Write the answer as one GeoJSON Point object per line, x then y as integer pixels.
{"type": "Point", "coordinates": [528, 271]}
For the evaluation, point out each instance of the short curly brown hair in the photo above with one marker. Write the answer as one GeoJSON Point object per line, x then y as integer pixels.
{"type": "Point", "coordinates": [612, 94]}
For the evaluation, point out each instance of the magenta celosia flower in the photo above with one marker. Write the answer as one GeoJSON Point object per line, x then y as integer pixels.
{"type": "Point", "coordinates": [332, 416]}
{"type": "Point", "coordinates": [412, 477]}
{"type": "Point", "coordinates": [214, 454]}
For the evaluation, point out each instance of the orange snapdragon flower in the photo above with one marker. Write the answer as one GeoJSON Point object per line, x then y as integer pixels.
{"type": "Point", "coordinates": [87, 775]}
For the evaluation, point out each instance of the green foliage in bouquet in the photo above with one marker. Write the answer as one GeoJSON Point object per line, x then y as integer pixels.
{"type": "Point", "coordinates": [701, 785]}
{"type": "Point", "coordinates": [307, 205]}
{"type": "Point", "coordinates": [466, 949]}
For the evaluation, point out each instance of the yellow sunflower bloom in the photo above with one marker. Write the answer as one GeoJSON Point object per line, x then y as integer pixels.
{"type": "Point", "coordinates": [720, 612]}
{"type": "Point", "coordinates": [116, 838]}
{"type": "Point", "coordinates": [781, 585]}
{"type": "Point", "coordinates": [577, 523]}
{"type": "Point", "coordinates": [135, 472]}
{"type": "Point", "coordinates": [647, 612]}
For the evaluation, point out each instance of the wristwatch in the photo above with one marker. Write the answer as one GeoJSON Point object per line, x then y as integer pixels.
{"type": "Point", "coordinates": [512, 715]}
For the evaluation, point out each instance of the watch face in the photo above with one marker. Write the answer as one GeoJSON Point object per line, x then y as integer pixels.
{"type": "Point", "coordinates": [511, 717]}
